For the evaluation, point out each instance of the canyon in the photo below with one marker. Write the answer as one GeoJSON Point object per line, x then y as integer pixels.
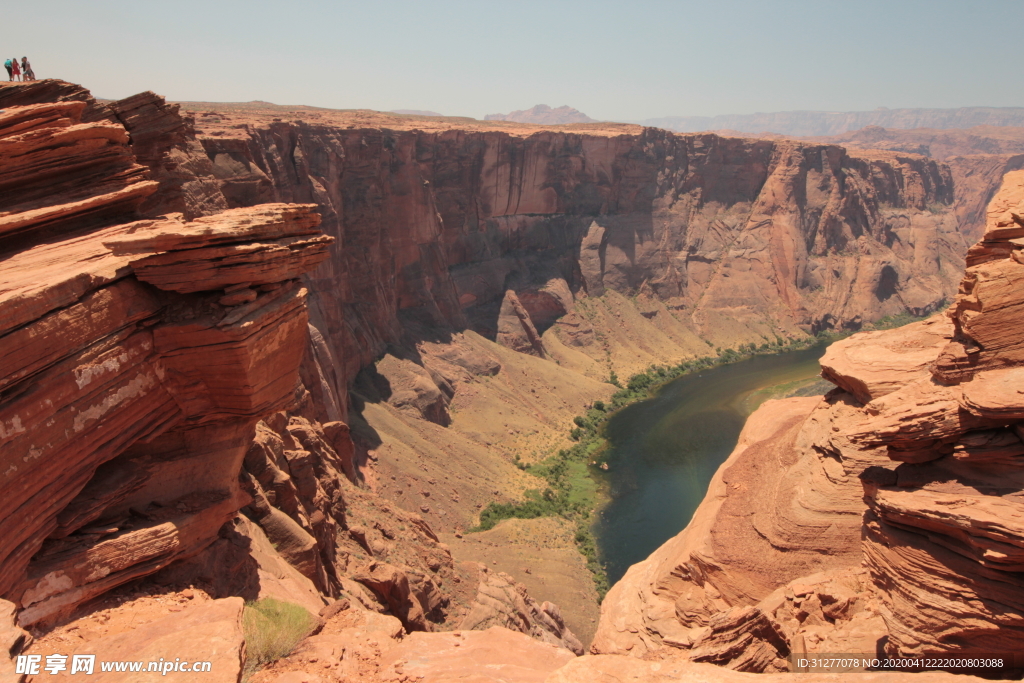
{"type": "Point", "coordinates": [254, 352]}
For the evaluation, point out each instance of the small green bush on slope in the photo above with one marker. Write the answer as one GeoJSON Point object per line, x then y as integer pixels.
{"type": "Point", "coordinates": [272, 629]}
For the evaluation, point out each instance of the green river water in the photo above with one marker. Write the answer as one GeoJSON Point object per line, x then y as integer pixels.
{"type": "Point", "coordinates": [663, 451]}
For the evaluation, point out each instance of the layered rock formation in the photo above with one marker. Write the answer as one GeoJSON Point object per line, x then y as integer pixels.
{"type": "Point", "coordinates": [942, 533]}
{"type": "Point", "coordinates": [740, 241]}
{"type": "Point", "coordinates": [163, 374]}
{"type": "Point", "coordinates": [941, 537]}
{"type": "Point", "coordinates": [142, 356]}
{"type": "Point", "coordinates": [138, 358]}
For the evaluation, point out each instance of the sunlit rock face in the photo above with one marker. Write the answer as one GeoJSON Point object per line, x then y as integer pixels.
{"type": "Point", "coordinates": [925, 427]}
{"type": "Point", "coordinates": [943, 531]}
{"type": "Point", "coordinates": [138, 356]}
{"type": "Point", "coordinates": [743, 240]}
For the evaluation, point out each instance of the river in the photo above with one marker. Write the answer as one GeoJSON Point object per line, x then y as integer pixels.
{"type": "Point", "coordinates": [664, 450]}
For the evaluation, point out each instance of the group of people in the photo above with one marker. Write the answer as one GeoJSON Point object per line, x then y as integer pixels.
{"type": "Point", "coordinates": [19, 72]}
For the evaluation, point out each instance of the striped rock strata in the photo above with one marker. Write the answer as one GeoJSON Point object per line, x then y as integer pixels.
{"type": "Point", "coordinates": [943, 533]}
{"type": "Point", "coordinates": [127, 398]}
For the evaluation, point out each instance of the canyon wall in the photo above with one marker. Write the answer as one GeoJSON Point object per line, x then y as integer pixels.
{"type": "Point", "coordinates": [156, 420]}
{"type": "Point", "coordinates": [883, 518]}
{"type": "Point", "coordinates": [172, 408]}
{"type": "Point", "coordinates": [740, 241]}
{"type": "Point", "coordinates": [978, 158]}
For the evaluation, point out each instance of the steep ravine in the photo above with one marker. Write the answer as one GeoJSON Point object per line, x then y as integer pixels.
{"type": "Point", "coordinates": [604, 252]}
{"type": "Point", "coordinates": [475, 289]}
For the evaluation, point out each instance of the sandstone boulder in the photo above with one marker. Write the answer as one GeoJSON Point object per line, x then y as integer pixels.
{"type": "Point", "coordinates": [878, 363]}
{"type": "Point", "coordinates": [516, 329]}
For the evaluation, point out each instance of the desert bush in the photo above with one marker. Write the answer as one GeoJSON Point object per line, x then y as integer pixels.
{"type": "Point", "coordinates": [272, 629]}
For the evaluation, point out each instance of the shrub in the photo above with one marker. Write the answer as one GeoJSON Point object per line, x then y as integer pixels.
{"type": "Point", "coordinates": [272, 629]}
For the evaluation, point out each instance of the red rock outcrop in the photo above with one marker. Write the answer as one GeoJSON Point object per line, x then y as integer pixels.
{"type": "Point", "coordinates": [942, 534]}
{"type": "Point", "coordinates": [55, 91]}
{"type": "Point", "coordinates": [203, 631]}
{"type": "Point", "coordinates": [127, 407]}
{"type": "Point", "coordinates": [165, 142]}
{"type": "Point", "coordinates": [879, 363]}
{"type": "Point", "coordinates": [501, 601]}
{"type": "Point", "coordinates": [943, 538]}
{"type": "Point", "coordinates": [494, 655]}
{"type": "Point", "coordinates": [784, 505]}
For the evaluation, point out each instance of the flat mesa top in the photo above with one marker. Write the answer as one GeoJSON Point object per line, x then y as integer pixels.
{"type": "Point", "coordinates": [228, 119]}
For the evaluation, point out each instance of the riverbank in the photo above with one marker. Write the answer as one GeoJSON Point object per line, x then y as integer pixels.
{"type": "Point", "coordinates": [577, 478]}
{"type": "Point", "coordinates": [591, 487]}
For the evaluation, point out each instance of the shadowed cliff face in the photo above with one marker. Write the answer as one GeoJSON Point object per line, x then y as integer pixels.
{"type": "Point", "coordinates": [744, 240]}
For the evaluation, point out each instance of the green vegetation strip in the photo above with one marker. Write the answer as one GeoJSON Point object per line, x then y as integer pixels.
{"type": "Point", "coordinates": [571, 491]}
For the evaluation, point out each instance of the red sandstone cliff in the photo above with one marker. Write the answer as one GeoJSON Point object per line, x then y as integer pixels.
{"type": "Point", "coordinates": [783, 557]}
{"type": "Point", "coordinates": [742, 240]}
{"type": "Point", "coordinates": [978, 158]}
{"type": "Point", "coordinates": [148, 361]}
{"type": "Point", "coordinates": [138, 357]}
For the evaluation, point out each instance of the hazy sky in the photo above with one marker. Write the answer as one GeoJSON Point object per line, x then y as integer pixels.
{"type": "Point", "coordinates": [612, 60]}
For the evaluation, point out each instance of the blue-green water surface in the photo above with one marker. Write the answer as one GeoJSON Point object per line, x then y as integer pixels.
{"type": "Point", "coordinates": [663, 451]}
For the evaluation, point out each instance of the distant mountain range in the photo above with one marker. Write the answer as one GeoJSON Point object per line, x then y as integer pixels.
{"type": "Point", "coordinates": [813, 123]}
{"type": "Point", "coordinates": [544, 115]}
{"type": "Point", "coordinates": [414, 112]}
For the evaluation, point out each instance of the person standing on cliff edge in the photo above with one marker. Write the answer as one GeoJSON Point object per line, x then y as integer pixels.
{"type": "Point", "coordinates": [27, 73]}
{"type": "Point", "coordinates": [16, 71]}
{"type": "Point", "coordinates": [10, 71]}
